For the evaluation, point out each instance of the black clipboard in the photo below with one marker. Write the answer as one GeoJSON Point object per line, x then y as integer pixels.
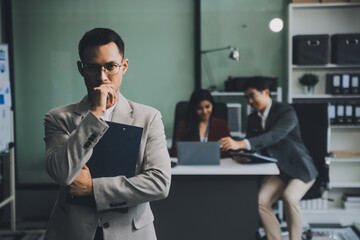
{"type": "Point", "coordinates": [248, 156]}
{"type": "Point", "coordinates": [117, 152]}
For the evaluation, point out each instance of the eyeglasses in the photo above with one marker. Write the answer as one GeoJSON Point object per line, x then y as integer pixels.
{"type": "Point", "coordinates": [110, 69]}
{"type": "Point", "coordinates": [252, 96]}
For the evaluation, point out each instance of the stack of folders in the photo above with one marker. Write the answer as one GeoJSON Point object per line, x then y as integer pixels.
{"type": "Point", "coordinates": [351, 202]}
{"type": "Point", "coordinates": [343, 84]}
{"type": "Point", "coordinates": [314, 204]}
{"type": "Point", "coordinates": [344, 113]}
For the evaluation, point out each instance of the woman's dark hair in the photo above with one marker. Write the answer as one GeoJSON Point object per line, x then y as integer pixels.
{"type": "Point", "coordinates": [192, 119]}
{"type": "Point", "coordinates": [98, 37]}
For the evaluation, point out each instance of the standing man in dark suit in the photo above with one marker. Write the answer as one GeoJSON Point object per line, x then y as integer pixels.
{"type": "Point", "coordinates": [273, 130]}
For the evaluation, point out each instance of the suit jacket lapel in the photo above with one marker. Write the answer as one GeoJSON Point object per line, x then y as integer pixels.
{"type": "Point", "coordinates": [122, 111]}
{"type": "Point", "coordinates": [271, 115]}
{"type": "Point", "coordinates": [257, 122]}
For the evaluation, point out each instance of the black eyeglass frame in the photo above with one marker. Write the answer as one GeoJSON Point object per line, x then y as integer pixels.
{"type": "Point", "coordinates": [92, 69]}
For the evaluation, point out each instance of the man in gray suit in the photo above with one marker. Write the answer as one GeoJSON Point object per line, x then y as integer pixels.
{"type": "Point", "coordinates": [273, 130]}
{"type": "Point", "coordinates": [112, 207]}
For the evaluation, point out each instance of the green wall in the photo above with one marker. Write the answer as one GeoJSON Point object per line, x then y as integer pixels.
{"type": "Point", "coordinates": [159, 44]}
{"type": "Point", "coordinates": [159, 40]}
{"type": "Point", "coordinates": [245, 25]}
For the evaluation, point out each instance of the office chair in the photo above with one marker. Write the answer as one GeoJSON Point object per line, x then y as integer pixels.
{"type": "Point", "coordinates": [219, 111]}
{"type": "Point", "coordinates": [314, 128]}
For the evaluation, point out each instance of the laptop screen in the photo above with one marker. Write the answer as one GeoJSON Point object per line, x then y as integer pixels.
{"type": "Point", "coordinates": [198, 153]}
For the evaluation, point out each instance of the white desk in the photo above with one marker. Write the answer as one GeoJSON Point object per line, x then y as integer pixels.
{"type": "Point", "coordinates": [227, 167]}
{"type": "Point", "coordinates": [212, 202]}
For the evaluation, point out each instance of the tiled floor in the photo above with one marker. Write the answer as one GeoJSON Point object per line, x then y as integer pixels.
{"type": "Point", "coordinates": [23, 236]}
{"type": "Point", "coordinates": [32, 230]}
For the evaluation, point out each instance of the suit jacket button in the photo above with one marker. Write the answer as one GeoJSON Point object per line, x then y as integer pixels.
{"type": "Point", "coordinates": [86, 145]}
{"type": "Point", "coordinates": [92, 137]}
{"type": "Point", "coordinates": [106, 225]}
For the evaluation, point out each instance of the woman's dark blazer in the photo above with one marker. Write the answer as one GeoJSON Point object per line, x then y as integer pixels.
{"type": "Point", "coordinates": [281, 139]}
{"type": "Point", "coordinates": [218, 129]}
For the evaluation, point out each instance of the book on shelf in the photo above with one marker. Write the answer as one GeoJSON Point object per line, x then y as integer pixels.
{"type": "Point", "coordinates": [351, 205]}
{"type": "Point", "coordinates": [355, 198]}
{"type": "Point", "coordinates": [351, 201]}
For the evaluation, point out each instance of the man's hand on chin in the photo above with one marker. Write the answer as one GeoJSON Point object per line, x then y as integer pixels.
{"type": "Point", "coordinates": [102, 98]}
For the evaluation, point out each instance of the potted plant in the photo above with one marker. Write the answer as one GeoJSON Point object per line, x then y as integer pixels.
{"type": "Point", "coordinates": [308, 81]}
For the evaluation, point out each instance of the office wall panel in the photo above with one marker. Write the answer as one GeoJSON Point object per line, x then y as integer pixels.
{"type": "Point", "coordinates": [245, 25]}
{"type": "Point", "coordinates": [159, 44]}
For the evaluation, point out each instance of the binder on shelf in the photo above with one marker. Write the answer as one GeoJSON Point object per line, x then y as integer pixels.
{"type": "Point", "coordinates": [340, 113]}
{"type": "Point", "coordinates": [357, 114]}
{"type": "Point", "coordinates": [345, 84]}
{"type": "Point", "coordinates": [332, 113]}
{"type": "Point", "coordinates": [354, 84]}
{"type": "Point", "coordinates": [349, 114]}
{"type": "Point", "coordinates": [333, 84]}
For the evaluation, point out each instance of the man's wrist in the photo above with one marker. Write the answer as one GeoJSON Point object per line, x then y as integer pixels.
{"type": "Point", "coordinates": [96, 112]}
{"type": "Point", "coordinates": [247, 144]}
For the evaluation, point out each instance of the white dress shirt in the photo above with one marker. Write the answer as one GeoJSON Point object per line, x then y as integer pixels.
{"type": "Point", "coordinates": [107, 115]}
{"type": "Point", "coordinates": [263, 117]}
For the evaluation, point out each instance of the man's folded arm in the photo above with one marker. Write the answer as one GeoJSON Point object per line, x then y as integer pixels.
{"type": "Point", "coordinates": [151, 183]}
{"type": "Point", "coordinates": [67, 152]}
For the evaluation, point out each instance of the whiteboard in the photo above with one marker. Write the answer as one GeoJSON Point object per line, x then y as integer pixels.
{"type": "Point", "coordinates": [5, 100]}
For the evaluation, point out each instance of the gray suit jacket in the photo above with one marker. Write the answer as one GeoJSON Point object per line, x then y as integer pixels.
{"type": "Point", "coordinates": [281, 139]}
{"type": "Point", "coordinates": [120, 204]}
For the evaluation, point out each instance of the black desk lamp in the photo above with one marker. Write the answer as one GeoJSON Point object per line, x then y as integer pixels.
{"type": "Point", "coordinates": [234, 54]}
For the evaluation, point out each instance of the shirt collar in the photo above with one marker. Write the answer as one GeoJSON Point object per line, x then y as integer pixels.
{"type": "Point", "coordinates": [266, 112]}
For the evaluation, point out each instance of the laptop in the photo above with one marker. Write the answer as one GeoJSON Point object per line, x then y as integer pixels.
{"type": "Point", "coordinates": [198, 153]}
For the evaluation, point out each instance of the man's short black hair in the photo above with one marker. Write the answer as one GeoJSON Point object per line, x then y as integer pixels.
{"type": "Point", "coordinates": [98, 37]}
{"type": "Point", "coordinates": [259, 84]}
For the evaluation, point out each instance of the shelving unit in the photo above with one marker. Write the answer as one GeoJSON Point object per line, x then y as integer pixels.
{"type": "Point", "coordinates": [334, 215]}
{"type": "Point", "coordinates": [329, 18]}
{"type": "Point", "coordinates": [278, 94]}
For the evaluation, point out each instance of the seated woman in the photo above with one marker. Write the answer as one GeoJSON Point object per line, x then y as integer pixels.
{"type": "Point", "coordinates": [199, 125]}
